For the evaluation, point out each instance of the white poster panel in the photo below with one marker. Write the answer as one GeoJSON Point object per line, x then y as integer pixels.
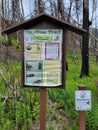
{"type": "Point", "coordinates": [83, 100]}
{"type": "Point", "coordinates": [43, 57]}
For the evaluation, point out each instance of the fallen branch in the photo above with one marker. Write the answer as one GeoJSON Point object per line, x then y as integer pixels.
{"type": "Point", "coordinates": [5, 98]}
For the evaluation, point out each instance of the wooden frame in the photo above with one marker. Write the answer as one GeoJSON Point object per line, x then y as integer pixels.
{"type": "Point", "coordinates": [63, 69]}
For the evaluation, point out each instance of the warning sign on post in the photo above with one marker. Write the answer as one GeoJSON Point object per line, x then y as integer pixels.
{"type": "Point", "coordinates": [83, 100]}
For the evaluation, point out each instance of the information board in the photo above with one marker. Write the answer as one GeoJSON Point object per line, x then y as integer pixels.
{"type": "Point", "coordinates": [43, 57]}
{"type": "Point", "coordinates": [83, 100]}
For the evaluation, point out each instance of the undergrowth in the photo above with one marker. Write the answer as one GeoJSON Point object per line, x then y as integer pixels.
{"type": "Point", "coordinates": [67, 96]}
{"type": "Point", "coordinates": [19, 108]}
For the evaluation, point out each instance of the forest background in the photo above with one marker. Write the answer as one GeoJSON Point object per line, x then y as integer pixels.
{"type": "Point", "coordinates": [20, 108]}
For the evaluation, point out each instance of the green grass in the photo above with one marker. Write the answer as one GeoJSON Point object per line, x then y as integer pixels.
{"type": "Point", "coordinates": [22, 113]}
{"type": "Point", "coordinates": [67, 96]}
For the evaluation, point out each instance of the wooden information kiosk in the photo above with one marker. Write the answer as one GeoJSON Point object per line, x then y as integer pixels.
{"type": "Point", "coordinates": [44, 40]}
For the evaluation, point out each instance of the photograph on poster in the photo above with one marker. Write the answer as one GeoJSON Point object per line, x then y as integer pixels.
{"type": "Point", "coordinates": [33, 51]}
{"type": "Point", "coordinates": [34, 48]}
{"type": "Point", "coordinates": [34, 72]}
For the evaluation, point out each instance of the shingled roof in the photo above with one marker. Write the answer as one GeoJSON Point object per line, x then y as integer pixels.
{"type": "Point", "coordinates": [39, 18]}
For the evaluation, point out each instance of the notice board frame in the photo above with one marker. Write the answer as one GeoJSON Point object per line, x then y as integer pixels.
{"type": "Point", "coordinates": [42, 26]}
{"type": "Point", "coordinates": [45, 21]}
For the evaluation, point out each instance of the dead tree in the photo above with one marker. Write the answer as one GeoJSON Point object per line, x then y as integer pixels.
{"type": "Point", "coordinates": [40, 6]}
{"type": "Point", "coordinates": [17, 12]}
{"type": "Point", "coordinates": [12, 12]}
{"type": "Point", "coordinates": [85, 42]}
{"type": "Point", "coordinates": [69, 11]}
{"type": "Point", "coordinates": [78, 9]}
{"type": "Point", "coordinates": [60, 10]}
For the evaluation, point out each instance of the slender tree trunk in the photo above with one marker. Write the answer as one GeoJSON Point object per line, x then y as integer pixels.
{"type": "Point", "coordinates": [35, 7]}
{"type": "Point", "coordinates": [69, 13]}
{"type": "Point", "coordinates": [40, 6]}
{"type": "Point", "coordinates": [51, 6]}
{"type": "Point", "coordinates": [91, 27]}
{"type": "Point", "coordinates": [60, 10]}
{"type": "Point", "coordinates": [55, 9]}
{"type": "Point", "coordinates": [22, 10]}
{"type": "Point", "coordinates": [3, 22]}
{"type": "Point", "coordinates": [85, 44]}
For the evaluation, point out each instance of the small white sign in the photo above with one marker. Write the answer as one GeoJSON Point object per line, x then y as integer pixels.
{"type": "Point", "coordinates": [83, 100]}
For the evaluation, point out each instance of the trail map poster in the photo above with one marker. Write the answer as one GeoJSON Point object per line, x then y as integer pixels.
{"type": "Point", "coordinates": [42, 57]}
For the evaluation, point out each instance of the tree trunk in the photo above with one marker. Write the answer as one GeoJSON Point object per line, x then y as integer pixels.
{"type": "Point", "coordinates": [69, 12]}
{"type": "Point", "coordinates": [40, 6]}
{"type": "Point", "coordinates": [85, 42]}
{"type": "Point", "coordinates": [60, 10]}
{"type": "Point", "coordinates": [51, 6]}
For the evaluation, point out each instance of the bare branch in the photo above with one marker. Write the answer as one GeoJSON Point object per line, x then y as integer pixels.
{"type": "Point", "coordinates": [10, 86]}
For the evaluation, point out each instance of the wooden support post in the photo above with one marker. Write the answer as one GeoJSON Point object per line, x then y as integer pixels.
{"type": "Point", "coordinates": [82, 114]}
{"type": "Point", "coordinates": [43, 109]}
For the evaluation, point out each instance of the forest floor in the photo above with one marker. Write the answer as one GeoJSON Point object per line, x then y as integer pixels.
{"type": "Point", "coordinates": [56, 117]}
